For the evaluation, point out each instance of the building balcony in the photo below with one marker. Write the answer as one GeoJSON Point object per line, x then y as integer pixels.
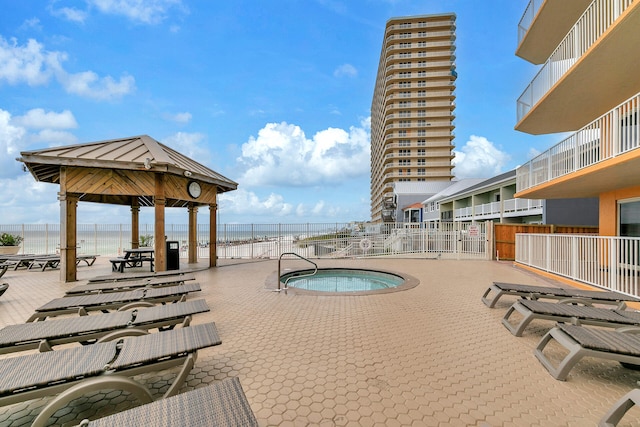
{"type": "Point", "coordinates": [492, 210]}
{"type": "Point", "coordinates": [602, 156]}
{"type": "Point", "coordinates": [592, 70]}
{"type": "Point", "coordinates": [543, 26]}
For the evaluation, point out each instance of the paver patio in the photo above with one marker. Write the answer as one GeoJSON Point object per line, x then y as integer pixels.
{"type": "Point", "coordinates": [433, 355]}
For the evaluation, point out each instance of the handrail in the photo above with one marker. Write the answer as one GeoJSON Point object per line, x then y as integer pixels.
{"type": "Point", "coordinates": [302, 275]}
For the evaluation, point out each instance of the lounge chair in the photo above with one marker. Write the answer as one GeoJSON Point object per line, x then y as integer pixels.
{"type": "Point", "coordinates": [221, 404]}
{"type": "Point", "coordinates": [620, 408]}
{"type": "Point", "coordinates": [622, 345]}
{"type": "Point", "coordinates": [135, 276]}
{"type": "Point", "coordinates": [126, 285]}
{"type": "Point", "coordinates": [45, 335]}
{"type": "Point", "coordinates": [568, 313]}
{"type": "Point", "coordinates": [113, 301]}
{"type": "Point", "coordinates": [3, 288]}
{"type": "Point", "coordinates": [499, 289]}
{"type": "Point", "coordinates": [101, 366]}
{"type": "Point", "coordinates": [43, 262]}
{"type": "Point", "coordinates": [3, 268]}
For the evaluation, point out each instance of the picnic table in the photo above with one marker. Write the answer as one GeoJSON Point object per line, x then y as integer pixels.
{"type": "Point", "coordinates": [133, 258]}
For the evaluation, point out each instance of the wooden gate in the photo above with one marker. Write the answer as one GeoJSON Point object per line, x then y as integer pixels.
{"type": "Point", "coordinates": [505, 235]}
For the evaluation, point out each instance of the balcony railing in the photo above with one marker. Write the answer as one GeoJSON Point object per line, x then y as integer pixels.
{"type": "Point", "coordinates": [595, 21]}
{"type": "Point", "coordinates": [511, 207]}
{"type": "Point", "coordinates": [614, 133]}
{"type": "Point", "coordinates": [527, 18]}
{"type": "Point", "coordinates": [611, 263]}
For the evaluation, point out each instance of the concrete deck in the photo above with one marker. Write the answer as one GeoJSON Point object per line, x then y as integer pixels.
{"type": "Point", "coordinates": [433, 355]}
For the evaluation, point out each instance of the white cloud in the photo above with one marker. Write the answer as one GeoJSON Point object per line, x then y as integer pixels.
{"type": "Point", "coordinates": [345, 70]}
{"type": "Point", "coordinates": [28, 63]}
{"type": "Point", "coordinates": [33, 65]}
{"type": "Point", "coordinates": [182, 118]}
{"type": "Point", "coordinates": [12, 141]}
{"type": "Point", "coordinates": [33, 23]}
{"type": "Point", "coordinates": [18, 209]}
{"type": "Point", "coordinates": [143, 11]}
{"type": "Point", "coordinates": [69, 13]}
{"type": "Point", "coordinates": [479, 158]}
{"type": "Point", "coordinates": [242, 202]}
{"type": "Point", "coordinates": [533, 153]}
{"type": "Point", "coordinates": [15, 136]}
{"type": "Point", "coordinates": [283, 155]}
{"type": "Point", "coordinates": [38, 118]}
{"type": "Point", "coordinates": [190, 144]}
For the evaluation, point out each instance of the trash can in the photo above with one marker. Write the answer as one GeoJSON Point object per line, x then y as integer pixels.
{"type": "Point", "coordinates": [173, 256]}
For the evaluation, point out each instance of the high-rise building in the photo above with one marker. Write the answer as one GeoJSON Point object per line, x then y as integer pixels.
{"type": "Point", "coordinates": [412, 118]}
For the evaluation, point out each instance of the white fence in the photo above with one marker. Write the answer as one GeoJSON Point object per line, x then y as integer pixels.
{"type": "Point", "coordinates": [269, 241]}
{"type": "Point", "coordinates": [608, 262]}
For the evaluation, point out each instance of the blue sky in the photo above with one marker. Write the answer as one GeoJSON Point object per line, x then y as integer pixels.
{"type": "Point", "coordinates": [275, 95]}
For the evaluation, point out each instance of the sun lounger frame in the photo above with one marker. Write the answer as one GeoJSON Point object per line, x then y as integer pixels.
{"type": "Point", "coordinates": [101, 327]}
{"type": "Point", "coordinates": [589, 342]}
{"type": "Point", "coordinates": [500, 289]}
{"type": "Point", "coordinates": [567, 313]}
{"type": "Point", "coordinates": [134, 358]}
{"type": "Point", "coordinates": [222, 403]}
{"type": "Point", "coordinates": [620, 408]}
{"type": "Point", "coordinates": [125, 285]}
{"type": "Point", "coordinates": [113, 301]}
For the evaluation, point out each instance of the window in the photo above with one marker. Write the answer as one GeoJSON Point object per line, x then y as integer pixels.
{"type": "Point", "coordinates": [404, 143]}
{"type": "Point", "coordinates": [404, 123]}
{"type": "Point", "coordinates": [422, 93]}
{"type": "Point", "coordinates": [404, 162]}
{"type": "Point", "coordinates": [422, 152]}
{"type": "Point", "coordinates": [404, 152]}
{"type": "Point", "coordinates": [422, 142]}
{"type": "Point", "coordinates": [404, 84]}
{"type": "Point", "coordinates": [629, 218]}
{"type": "Point", "coordinates": [422, 103]}
{"type": "Point", "coordinates": [422, 171]}
{"type": "Point", "coordinates": [422, 162]}
{"type": "Point", "coordinates": [422, 132]}
{"type": "Point", "coordinates": [422, 83]}
{"type": "Point", "coordinates": [402, 133]}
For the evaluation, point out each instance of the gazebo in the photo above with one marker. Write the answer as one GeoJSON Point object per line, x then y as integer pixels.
{"type": "Point", "coordinates": [137, 171]}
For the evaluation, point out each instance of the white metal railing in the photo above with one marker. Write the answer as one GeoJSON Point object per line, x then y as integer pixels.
{"type": "Point", "coordinates": [493, 209]}
{"type": "Point", "coordinates": [527, 18]}
{"type": "Point", "coordinates": [269, 241]}
{"type": "Point", "coordinates": [595, 21]}
{"type": "Point", "coordinates": [614, 133]}
{"type": "Point", "coordinates": [607, 262]}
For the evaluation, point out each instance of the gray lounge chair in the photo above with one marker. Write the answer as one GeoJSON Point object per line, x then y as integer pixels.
{"type": "Point", "coordinates": [76, 371]}
{"type": "Point", "coordinates": [126, 285]}
{"type": "Point", "coordinates": [622, 345]}
{"type": "Point", "coordinates": [620, 408]}
{"type": "Point", "coordinates": [221, 404]}
{"type": "Point", "coordinates": [499, 289]}
{"type": "Point", "coordinates": [113, 301]}
{"type": "Point", "coordinates": [135, 276]}
{"type": "Point", "coordinates": [3, 268]}
{"type": "Point", "coordinates": [3, 288]}
{"type": "Point", "coordinates": [568, 313]}
{"type": "Point", "coordinates": [45, 335]}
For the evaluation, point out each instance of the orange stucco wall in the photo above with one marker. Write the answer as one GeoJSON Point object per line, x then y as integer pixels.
{"type": "Point", "coordinates": [609, 208]}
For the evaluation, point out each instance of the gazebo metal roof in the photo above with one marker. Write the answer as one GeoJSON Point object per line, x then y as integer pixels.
{"type": "Point", "coordinates": [139, 153]}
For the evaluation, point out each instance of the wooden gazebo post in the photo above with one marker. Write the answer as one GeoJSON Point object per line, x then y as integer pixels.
{"type": "Point", "coordinates": [159, 239]}
{"type": "Point", "coordinates": [68, 230]}
{"type": "Point", "coordinates": [193, 233]}
{"type": "Point", "coordinates": [135, 223]}
{"type": "Point", "coordinates": [213, 235]}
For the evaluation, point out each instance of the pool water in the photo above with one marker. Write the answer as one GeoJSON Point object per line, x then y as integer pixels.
{"type": "Point", "coordinates": [342, 280]}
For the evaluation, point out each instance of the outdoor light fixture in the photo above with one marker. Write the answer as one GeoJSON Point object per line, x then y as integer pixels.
{"type": "Point", "coordinates": [187, 173]}
{"type": "Point", "coordinates": [147, 163]}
